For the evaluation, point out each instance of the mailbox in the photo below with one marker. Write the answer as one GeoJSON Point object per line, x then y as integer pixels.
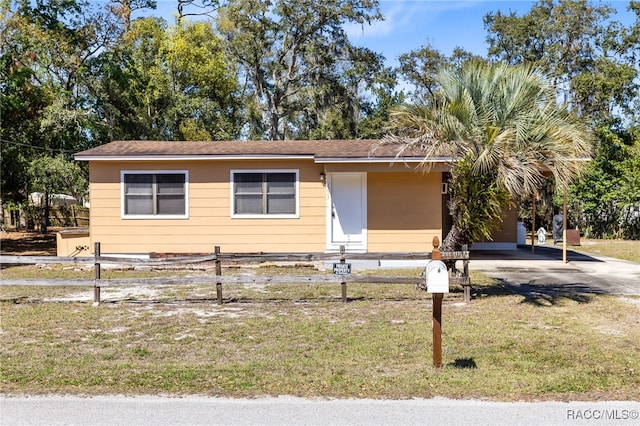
{"type": "Point", "coordinates": [437, 277]}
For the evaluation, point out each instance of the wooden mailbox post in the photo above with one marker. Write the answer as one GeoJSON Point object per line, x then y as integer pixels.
{"type": "Point", "coordinates": [438, 294]}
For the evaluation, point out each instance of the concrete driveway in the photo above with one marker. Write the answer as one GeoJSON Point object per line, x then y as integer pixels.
{"type": "Point", "coordinates": [544, 273]}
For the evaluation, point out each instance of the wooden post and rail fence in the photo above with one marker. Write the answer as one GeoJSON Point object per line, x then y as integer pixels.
{"type": "Point", "coordinates": [341, 270]}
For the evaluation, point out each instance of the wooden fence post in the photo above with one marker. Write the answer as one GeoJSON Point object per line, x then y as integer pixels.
{"type": "Point", "coordinates": [218, 273]}
{"type": "Point", "coordinates": [73, 215]}
{"type": "Point", "coordinates": [465, 273]}
{"type": "Point", "coordinates": [343, 284]}
{"type": "Point", "coordinates": [437, 313]}
{"type": "Point", "coordinates": [96, 267]}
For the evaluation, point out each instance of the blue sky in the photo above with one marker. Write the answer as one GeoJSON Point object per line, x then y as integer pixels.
{"type": "Point", "coordinates": [410, 24]}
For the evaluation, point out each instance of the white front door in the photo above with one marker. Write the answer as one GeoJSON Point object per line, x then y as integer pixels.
{"type": "Point", "coordinates": [347, 211]}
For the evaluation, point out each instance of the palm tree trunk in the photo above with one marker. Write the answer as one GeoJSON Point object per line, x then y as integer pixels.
{"type": "Point", "coordinates": [453, 240]}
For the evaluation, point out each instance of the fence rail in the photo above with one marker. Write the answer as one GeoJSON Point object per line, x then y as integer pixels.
{"type": "Point", "coordinates": [460, 278]}
{"type": "Point", "coordinates": [223, 279]}
{"type": "Point", "coordinates": [233, 257]}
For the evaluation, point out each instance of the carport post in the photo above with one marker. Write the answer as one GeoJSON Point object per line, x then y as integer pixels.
{"type": "Point", "coordinates": [564, 226]}
{"type": "Point", "coordinates": [343, 284]}
{"type": "Point", "coordinates": [533, 223]}
{"type": "Point", "coordinates": [437, 313]}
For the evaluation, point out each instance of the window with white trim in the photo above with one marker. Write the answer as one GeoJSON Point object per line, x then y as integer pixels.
{"type": "Point", "coordinates": [154, 194]}
{"type": "Point", "coordinates": [264, 193]}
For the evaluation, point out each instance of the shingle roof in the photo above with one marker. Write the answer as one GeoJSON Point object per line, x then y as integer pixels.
{"type": "Point", "coordinates": [318, 149]}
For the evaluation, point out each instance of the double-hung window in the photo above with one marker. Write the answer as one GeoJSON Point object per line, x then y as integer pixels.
{"type": "Point", "coordinates": [154, 194]}
{"type": "Point", "coordinates": [264, 193]}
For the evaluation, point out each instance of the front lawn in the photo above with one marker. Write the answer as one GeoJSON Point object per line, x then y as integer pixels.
{"type": "Point", "coordinates": [292, 339]}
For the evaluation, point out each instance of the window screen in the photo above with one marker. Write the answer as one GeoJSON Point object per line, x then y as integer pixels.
{"type": "Point", "coordinates": [264, 193]}
{"type": "Point", "coordinates": [155, 194]}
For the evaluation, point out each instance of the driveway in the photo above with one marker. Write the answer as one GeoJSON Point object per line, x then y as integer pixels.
{"type": "Point", "coordinates": [544, 272]}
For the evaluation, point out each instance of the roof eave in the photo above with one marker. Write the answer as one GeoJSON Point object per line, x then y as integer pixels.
{"type": "Point", "coordinates": [201, 157]}
{"type": "Point", "coordinates": [412, 160]}
{"type": "Point", "coordinates": [194, 157]}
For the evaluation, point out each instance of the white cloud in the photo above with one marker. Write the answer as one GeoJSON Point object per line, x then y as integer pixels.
{"type": "Point", "coordinates": [402, 16]}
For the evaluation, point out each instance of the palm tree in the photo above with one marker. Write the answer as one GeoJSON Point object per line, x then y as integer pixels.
{"type": "Point", "coordinates": [503, 130]}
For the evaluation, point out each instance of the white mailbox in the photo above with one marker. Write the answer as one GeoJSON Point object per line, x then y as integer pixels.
{"type": "Point", "coordinates": [437, 277]}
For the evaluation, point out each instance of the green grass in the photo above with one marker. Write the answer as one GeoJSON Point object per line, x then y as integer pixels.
{"type": "Point", "coordinates": [301, 340]}
{"type": "Point", "coordinates": [620, 249]}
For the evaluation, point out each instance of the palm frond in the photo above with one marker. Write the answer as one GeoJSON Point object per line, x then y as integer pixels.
{"type": "Point", "coordinates": [504, 123]}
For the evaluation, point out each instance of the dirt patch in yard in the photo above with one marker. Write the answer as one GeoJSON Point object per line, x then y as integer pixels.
{"type": "Point", "coordinates": [22, 243]}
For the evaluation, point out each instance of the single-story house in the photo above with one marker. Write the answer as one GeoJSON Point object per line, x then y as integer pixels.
{"type": "Point", "coordinates": [266, 196]}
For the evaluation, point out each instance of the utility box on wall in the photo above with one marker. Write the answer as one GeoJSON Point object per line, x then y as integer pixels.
{"type": "Point", "coordinates": [437, 277]}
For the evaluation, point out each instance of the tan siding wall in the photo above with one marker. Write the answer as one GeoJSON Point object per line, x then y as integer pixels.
{"type": "Point", "coordinates": [404, 212]}
{"type": "Point", "coordinates": [209, 222]}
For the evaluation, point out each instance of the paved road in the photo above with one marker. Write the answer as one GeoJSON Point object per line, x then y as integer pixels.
{"type": "Point", "coordinates": [160, 411]}
{"type": "Point", "coordinates": [545, 273]}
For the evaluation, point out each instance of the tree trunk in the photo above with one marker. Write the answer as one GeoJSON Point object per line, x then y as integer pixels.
{"type": "Point", "coordinates": [45, 215]}
{"type": "Point", "coordinates": [275, 122]}
{"type": "Point", "coordinates": [453, 240]}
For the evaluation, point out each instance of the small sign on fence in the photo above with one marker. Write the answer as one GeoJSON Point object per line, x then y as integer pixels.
{"type": "Point", "coordinates": [341, 269]}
